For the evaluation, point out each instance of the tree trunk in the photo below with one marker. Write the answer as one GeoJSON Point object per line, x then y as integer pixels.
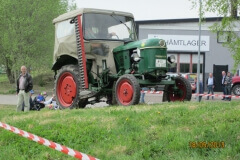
{"type": "Point", "coordinates": [10, 75]}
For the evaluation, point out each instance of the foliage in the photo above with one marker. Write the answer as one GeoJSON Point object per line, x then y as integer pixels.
{"type": "Point", "coordinates": [228, 27]}
{"type": "Point", "coordinates": [42, 82]}
{"type": "Point", "coordinates": [5, 86]}
{"type": "Point", "coordinates": [160, 131]}
{"type": "Point", "coordinates": [27, 33]}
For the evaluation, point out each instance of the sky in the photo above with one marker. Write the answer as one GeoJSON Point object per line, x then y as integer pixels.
{"type": "Point", "coordinates": [147, 9]}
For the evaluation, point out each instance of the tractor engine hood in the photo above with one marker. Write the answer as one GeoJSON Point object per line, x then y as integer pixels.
{"type": "Point", "coordinates": [145, 57]}
{"type": "Point", "coordinates": [142, 44]}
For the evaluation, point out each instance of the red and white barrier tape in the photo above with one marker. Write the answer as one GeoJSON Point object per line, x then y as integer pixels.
{"type": "Point", "coordinates": [47, 143]}
{"type": "Point", "coordinates": [216, 95]}
{"type": "Point", "coordinates": [152, 92]}
{"type": "Point", "coordinates": [211, 95]}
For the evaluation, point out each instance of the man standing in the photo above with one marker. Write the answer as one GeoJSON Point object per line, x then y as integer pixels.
{"type": "Point", "coordinates": [223, 85]}
{"type": "Point", "coordinates": [210, 84]}
{"type": "Point", "coordinates": [228, 82]}
{"type": "Point", "coordinates": [30, 101]}
{"type": "Point", "coordinates": [24, 85]}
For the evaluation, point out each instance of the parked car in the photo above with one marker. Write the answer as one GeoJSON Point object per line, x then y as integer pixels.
{"type": "Point", "coordinates": [236, 85]}
{"type": "Point", "coordinates": [190, 77]}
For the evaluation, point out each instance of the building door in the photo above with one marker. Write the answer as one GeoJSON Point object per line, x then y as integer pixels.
{"type": "Point", "coordinates": [217, 73]}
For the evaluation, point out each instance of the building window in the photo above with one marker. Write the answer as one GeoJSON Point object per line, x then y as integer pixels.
{"type": "Point", "coordinates": [194, 68]}
{"type": "Point", "coordinates": [184, 68]}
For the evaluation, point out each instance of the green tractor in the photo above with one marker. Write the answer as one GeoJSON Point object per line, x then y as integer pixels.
{"type": "Point", "coordinates": [97, 55]}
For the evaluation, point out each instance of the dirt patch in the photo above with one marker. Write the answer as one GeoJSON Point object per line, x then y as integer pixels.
{"type": "Point", "coordinates": [192, 107]}
{"type": "Point", "coordinates": [47, 121]}
{"type": "Point", "coordinates": [174, 106]}
{"type": "Point", "coordinates": [238, 106]}
{"type": "Point", "coordinates": [31, 115]}
{"type": "Point", "coordinates": [142, 108]}
{"type": "Point", "coordinates": [117, 149]}
{"type": "Point", "coordinates": [238, 137]}
{"type": "Point", "coordinates": [184, 128]}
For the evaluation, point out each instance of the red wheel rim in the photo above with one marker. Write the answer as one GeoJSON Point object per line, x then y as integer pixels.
{"type": "Point", "coordinates": [66, 89]}
{"type": "Point", "coordinates": [180, 94]}
{"type": "Point", "coordinates": [125, 92]}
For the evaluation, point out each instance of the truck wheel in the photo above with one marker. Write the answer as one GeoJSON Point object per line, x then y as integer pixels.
{"type": "Point", "coordinates": [236, 90]}
{"type": "Point", "coordinates": [184, 93]}
{"type": "Point", "coordinates": [127, 90]}
{"type": "Point", "coordinates": [67, 87]}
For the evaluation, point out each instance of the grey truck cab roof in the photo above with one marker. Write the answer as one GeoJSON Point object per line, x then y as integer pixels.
{"type": "Point", "coordinates": [80, 11]}
{"type": "Point", "coordinates": [65, 36]}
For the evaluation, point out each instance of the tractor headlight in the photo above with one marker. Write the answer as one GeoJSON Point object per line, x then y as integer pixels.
{"type": "Point", "coordinates": [137, 51]}
{"type": "Point", "coordinates": [135, 57]}
{"type": "Point", "coordinates": [171, 59]}
{"type": "Point", "coordinates": [162, 43]}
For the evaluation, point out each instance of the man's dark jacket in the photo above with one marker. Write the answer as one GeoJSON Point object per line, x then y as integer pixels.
{"type": "Point", "coordinates": [214, 81]}
{"type": "Point", "coordinates": [28, 83]}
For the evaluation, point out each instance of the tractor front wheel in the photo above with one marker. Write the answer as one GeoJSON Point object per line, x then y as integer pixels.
{"type": "Point", "coordinates": [183, 92]}
{"type": "Point", "coordinates": [127, 90]}
{"type": "Point", "coordinates": [67, 87]}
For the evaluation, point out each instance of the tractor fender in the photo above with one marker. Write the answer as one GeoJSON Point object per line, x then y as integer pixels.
{"type": "Point", "coordinates": [67, 60]}
{"type": "Point", "coordinates": [64, 60]}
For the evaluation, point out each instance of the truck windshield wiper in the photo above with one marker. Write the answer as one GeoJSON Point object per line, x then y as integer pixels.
{"type": "Point", "coordinates": [117, 19]}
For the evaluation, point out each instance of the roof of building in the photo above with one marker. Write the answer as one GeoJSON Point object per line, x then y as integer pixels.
{"type": "Point", "coordinates": [210, 19]}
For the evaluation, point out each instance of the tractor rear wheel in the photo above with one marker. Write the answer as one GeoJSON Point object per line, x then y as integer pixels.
{"type": "Point", "coordinates": [183, 93]}
{"type": "Point", "coordinates": [127, 90]}
{"type": "Point", "coordinates": [67, 87]}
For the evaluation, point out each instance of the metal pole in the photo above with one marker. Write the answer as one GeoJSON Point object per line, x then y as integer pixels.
{"type": "Point", "coordinates": [199, 47]}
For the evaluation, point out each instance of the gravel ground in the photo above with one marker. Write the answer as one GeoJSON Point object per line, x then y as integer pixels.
{"type": "Point", "coordinates": [149, 99]}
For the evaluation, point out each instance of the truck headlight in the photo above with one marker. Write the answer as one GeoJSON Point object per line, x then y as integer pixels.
{"type": "Point", "coordinates": [171, 59]}
{"type": "Point", "coordinates": [135, 57]}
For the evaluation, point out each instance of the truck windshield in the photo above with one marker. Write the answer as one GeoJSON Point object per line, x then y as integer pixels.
{"type": "Point", "coordinates": [108, 27]}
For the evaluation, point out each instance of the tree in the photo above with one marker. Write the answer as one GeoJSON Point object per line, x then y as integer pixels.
{"type": "Point", "coordinates": [27, 33]}
{"type": "Point", "coordinates": [228, 27]}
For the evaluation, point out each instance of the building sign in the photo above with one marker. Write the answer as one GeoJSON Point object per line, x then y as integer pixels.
{"type": "Point", "coordinates": [184, 42]}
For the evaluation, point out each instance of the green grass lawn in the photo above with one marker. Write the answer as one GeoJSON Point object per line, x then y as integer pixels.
{"type": "Point", "coordinates": [160, 131]}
